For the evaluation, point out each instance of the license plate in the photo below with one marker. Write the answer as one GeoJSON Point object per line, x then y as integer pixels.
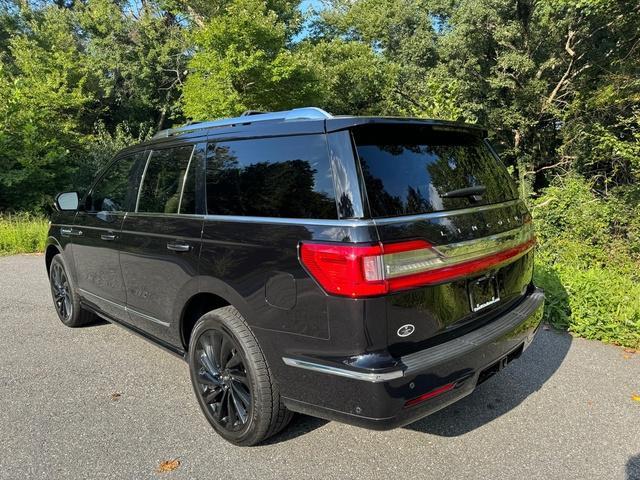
{"type": "Point", "coordinates": [483, 292]}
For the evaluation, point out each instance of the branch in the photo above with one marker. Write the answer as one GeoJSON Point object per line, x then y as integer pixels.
{"type": "Point", "coordinates": [565, 76]}
{"type": "Point", "coordinates": [414, 102]}
{"type": "Point", "coordinates": [546, 202]}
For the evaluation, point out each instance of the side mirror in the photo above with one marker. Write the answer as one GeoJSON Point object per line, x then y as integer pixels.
{"type": "Point", "coordinates": [67, 201]}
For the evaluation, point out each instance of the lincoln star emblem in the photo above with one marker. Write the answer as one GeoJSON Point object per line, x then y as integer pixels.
{"type": "Point", "coordinates": [406, 330]}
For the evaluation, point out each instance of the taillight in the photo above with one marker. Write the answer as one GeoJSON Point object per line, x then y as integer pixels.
{"type": "Point", "coordinates": [356, 270]}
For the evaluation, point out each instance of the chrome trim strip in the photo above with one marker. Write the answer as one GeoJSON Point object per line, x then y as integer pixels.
{"type": "Point", "coordinates": [354, 222]}
{"type": "Point", "coordinates": [360, 222]}
{"type": "Point", "coordinates": [197, 216]}
{"type": "Point", "coordinates": [144, 173]}
{"type": "Point", "coordinates": [110, 302]}
{"type": "Point", "coordinates": [184, 180]}
{"type": "Point", "coordinates": [413, 262]}
{"type": "Point", "coordinates": [342, 372]}
{"type": "Point", "coordinates": [125, 308]}
{"type": "Point", "coordinates": [483, 246]}
{"type": "Point", "coordinates": [287, 221]}
{"type": "Point", "coordinates": [444, 213]}
{"type": "Point", "coordinates": [148, 317]}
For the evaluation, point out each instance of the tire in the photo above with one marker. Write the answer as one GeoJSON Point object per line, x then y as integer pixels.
{"type": "Point", "coordinates": [226, 364]}
{"type": "Point", "coordinates": [65, 298]}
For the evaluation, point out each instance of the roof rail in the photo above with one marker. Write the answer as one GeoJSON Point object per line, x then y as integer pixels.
{"type": "Point", "coordinates": [304, 113]}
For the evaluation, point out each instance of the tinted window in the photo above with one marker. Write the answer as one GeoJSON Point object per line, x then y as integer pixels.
{"type": "Point", "coordinates": [409, 170]}
{"type": "Point", "coordinates": [163, 182]}
{"type": "Point", "coordinates": [116, 189]}
{"type": "Point", "coordinates": [271, 177]}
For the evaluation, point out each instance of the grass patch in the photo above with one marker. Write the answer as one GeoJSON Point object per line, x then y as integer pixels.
{"type": "Point", "coordinates": [22, 233]}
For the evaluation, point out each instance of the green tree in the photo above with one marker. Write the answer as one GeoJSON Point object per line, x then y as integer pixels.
{"type": "Point", "coordinates": [242, 62]}
{"type": "Point", "coordinates": [46, 87]}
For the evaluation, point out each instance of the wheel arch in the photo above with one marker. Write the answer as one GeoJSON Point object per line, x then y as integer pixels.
{"type": "Point", "coordinates": [211, 295]}
{"type": "Point", "coordinates": [53, 248]}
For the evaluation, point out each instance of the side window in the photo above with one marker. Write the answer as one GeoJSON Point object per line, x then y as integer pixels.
{"type": "Point", "coordinates": [113, 191]}
{"type": "Point", "coordinates": [271, 177]}
{"type": "Point", "coordinates": [166, 177]}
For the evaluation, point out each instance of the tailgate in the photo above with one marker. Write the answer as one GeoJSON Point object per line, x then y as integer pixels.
{"type": "Point", "coordinates": [444, 187]}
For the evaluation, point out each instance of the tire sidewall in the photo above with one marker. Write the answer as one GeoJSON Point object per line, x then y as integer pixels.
{"type": "Point", "coordinates": [75, 304]}
{"type": "Point", "coordinates": [252, 430]}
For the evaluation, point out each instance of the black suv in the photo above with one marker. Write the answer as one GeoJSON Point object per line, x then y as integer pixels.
{"type": "Point", "coordinates": [361, 269]}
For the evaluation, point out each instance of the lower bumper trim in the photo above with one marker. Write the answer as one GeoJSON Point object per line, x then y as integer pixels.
{"type": "Point", "coordinates": [343, 372]}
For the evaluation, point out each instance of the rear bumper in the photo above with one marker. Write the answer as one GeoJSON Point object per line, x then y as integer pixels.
{"type": "Point", "coordinates": [376, 398]}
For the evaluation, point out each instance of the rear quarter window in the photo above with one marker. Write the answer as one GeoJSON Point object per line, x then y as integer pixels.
{"type": "Point", "coordinates": [408, 169]}
{"type": "Point", "coordinates": [168, 186]}
{"type": "Point", "coordinates": [271, 177]}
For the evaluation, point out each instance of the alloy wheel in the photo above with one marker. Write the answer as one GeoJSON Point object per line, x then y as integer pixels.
{"type": "Point", "coordinates": [61, 292]}
{"type": "Point", "coordinates": [224, 386]}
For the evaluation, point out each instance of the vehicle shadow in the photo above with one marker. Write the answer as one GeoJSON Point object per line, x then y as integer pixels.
{"type": "Point", "coordinates": [300, 425]}
{"type": "Point", "coordinates": [98, 322]}
{"type": "Point", "coordinates": [504, 391]}
{"type": "Point", "coordinates": [510, 387]}
{"type": "Point", "coordinates": [633, 468]}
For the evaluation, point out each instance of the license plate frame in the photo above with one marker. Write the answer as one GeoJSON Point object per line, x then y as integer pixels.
{"type": "Point", "coordinates": [483, 292]}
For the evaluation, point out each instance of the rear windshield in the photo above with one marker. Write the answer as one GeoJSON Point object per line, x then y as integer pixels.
{"type": "Point", "coordinates": [410, 170]}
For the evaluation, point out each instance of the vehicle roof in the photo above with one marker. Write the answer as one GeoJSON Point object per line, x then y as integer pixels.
{"type": "Point", "coordinates": [304, 121]}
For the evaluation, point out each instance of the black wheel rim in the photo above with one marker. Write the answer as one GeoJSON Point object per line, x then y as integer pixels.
{"type": "Point", "coordinates": [224, 386]}
{"type": "Point", "coordinates": [61, 292]}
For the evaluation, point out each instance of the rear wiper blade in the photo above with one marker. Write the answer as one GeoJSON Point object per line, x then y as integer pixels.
{"type": "Point", "coordinates": [475, 193]}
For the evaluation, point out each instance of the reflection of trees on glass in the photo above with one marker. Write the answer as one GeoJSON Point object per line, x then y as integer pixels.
{"type": "Point", "coordinates": [345, 206]}
{"type": "Point", "coordinates": [381, 202]}
{"type": "Point", "coordinates": [407, 169]}
{"type": "Point", "coordinates": [110, 192]}
{"type": "Point", "coordinates": [237, 185]}
{"type": "Point", "coordinates": [163, 181]}
{"type": "Point", "coordinates": [469, 164]}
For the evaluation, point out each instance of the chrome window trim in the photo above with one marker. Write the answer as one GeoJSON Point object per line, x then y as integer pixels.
{"type": "Point", "coordinates": [343, 372]}
{"type": "Point", "coordinates": [125, 308]}
{"type": "Point", "coordinates": [144, 174]}
{"type": "Point", "coordinates": [286, 221]}
{"type": "Point", "coordinates": [445, 213]}
{"type": "Point", "coordinates": [360, 222]}
{"type": "Point", "coordinates": [167, 215]}
{"type": "Point", "coordinates": [184, 180]}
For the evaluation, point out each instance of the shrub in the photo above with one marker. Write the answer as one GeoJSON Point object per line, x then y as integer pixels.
{"type": "Point", "coordinates": [22, 234]}
{"type": "Point", "coordinates": [588, 260]}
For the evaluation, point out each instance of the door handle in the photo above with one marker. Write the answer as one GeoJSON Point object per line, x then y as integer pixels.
{"type": "Point", "coordinates": [178, 246]}
{"type": "Point", "coordinates": [108, 236]}
{"type": "Point", "coordinates": [67, 232]}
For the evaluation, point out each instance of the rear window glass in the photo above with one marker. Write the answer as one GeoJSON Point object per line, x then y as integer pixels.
{"type": "Point", "coordinates": [410, 170]}
{"type": "Point", "coordinates": [271, 177]}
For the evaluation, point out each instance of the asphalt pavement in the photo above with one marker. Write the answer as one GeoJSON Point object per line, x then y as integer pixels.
{"type": "Point", "coordinates": [99, 402]}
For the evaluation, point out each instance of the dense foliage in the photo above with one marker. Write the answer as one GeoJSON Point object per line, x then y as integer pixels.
{"type": "Point", "coordinates": [557, 82]}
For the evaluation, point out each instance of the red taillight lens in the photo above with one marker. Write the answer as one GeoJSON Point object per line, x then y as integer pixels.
{"type": "Point", "coordinates": [340, 268]}
{"type": "Point", "coordinates": [355, 271]}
